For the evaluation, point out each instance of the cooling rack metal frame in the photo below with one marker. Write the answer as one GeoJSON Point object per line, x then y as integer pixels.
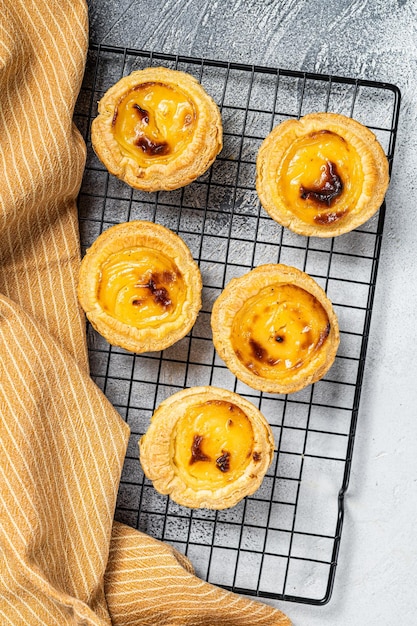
{"type": "Point", "coordinates": [282, 542]}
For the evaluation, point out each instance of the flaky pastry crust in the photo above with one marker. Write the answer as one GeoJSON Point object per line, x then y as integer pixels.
{"type": "Point", "coordinates": [140, 286]}
{"type": "Point", "coordinates": [322, 175]}
{"type": "Point", "coordinates": [207, 448]}
{"type": "Point", "coordinates": [275, 329]}
{"type": "Point", "coordinates": [169, 109]}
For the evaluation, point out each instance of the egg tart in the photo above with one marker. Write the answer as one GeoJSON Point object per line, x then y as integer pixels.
{"type": "Point", "coordinates": [207, 448]}
{"type": "Point", "coordinates": [157, 129]}
{"type": "Point", "coordinates": [275, 329]}
{"type": "Point", "coordinates": [140, 287]}
{"type": "Point", "coordinates": [322, 175]}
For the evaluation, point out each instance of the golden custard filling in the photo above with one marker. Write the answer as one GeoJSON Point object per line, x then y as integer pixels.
{"type": "Point", "coordinates": [141, 287]}
{"type": "Point", "coordinates": [212, 444]}
{"type": "Point", "coordinates": [319, 172]}
{"type": "Point", "coordinates": [154, 123]}
{"type": "Point", "coordinates": [279, 330]}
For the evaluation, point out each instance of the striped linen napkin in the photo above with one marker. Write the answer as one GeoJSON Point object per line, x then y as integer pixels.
{"type": "Point", "coordinates": [62, 558]}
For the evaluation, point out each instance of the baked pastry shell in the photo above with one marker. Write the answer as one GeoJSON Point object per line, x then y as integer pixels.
{"type": "Point", "coordinates": [231, 300]}
{"type": "Point", "coordinates": [129, 235]}
{"type": "Point", "coordinates": [373, 160]}
{"type": "Point", "coordinates": [182, 169]}
{"type": "Point", "coordinates": [156, 451]}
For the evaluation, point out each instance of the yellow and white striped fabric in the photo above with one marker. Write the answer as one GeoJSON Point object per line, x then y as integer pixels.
{"type": "Point", "coordinates": [62, 558]}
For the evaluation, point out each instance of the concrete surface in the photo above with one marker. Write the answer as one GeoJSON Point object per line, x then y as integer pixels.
{"type": "Point", "coordinates": [377, 570]}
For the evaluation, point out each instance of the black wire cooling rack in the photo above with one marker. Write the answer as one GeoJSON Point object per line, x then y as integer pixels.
{"type": "Point", "coordinates": [283, 541]}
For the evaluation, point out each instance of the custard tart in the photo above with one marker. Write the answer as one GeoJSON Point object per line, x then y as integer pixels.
{"type": "Point", "coordinates": [140, 287]}
{"type": "Point", "coordinates": [207, 448]}
{"type": "Point", "coordinates": [157, 129]}
{"type": "Point", "coordinates": [275, 329]}
{"type": "Point", "coordinates": [322, 175]}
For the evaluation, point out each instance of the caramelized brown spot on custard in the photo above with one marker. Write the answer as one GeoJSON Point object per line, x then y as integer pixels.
{"type": "Point", "coordinates": [256, 456]}
{"type": "Point", "coordinates": [137, 302]}
{"type": "Point", "coordinates": [150, 147]}
{"type": "Point", "coordinates": [258, 351]}
{"type": "Point", "coordinates": [329, 187]}
{"type": "Point", "coordinates": [196, 452]}
{"type": "Point", "coordinates": [166, 277]}
{"type": "Point", "coordinates": [169, 277]}
{"type": "Point", "coordinates": [160, 294]}
{"type": "Point", "coordinates": [143, 115]}
{"type": "Point", "coordinates": [223, 461]}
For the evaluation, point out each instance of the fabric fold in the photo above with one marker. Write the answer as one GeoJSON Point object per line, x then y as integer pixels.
{"type": "Point", "coordinates": [63, 560]}
{"type": "Point", "coordinates": [62, 450]}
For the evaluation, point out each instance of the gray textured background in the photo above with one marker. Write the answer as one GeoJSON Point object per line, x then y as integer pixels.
{"type": "Point", "coordinates": [377, 568]}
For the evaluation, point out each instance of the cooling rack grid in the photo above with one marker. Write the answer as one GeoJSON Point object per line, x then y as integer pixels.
{"type": "Point", "coordinates": [283, 541]}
